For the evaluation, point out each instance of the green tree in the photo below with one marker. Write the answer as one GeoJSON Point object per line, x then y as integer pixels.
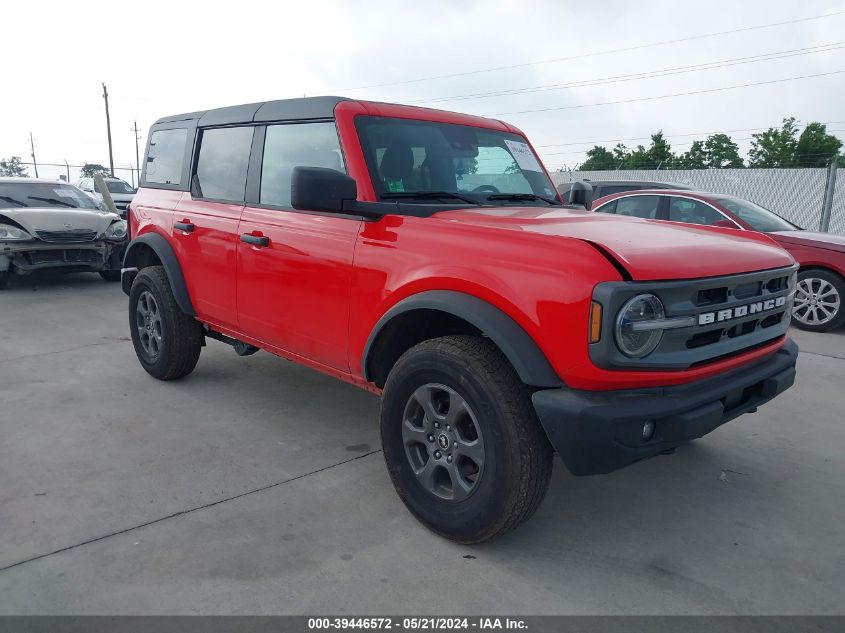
{"type": "Point", "coordinates": [694, 158]}
{"type": "Point", "coordinates": [659, 154]}
{"type": "Point", "coordinates": [12, 167]}
{"type": "Point", "coordinates": [722, 152]}
{"type": "Point", "coordinates": [775, 147]}
{"type": "Point", "coordinates": [599, 159]}
{"type": "Point", "coordinates": [620, 155]}
{"type": "Point", "coordinates": [89, 169]}
{"type": "Point", "coordinates": [638, 159]}
{"type": "Point", "coordinates": [815, 146]}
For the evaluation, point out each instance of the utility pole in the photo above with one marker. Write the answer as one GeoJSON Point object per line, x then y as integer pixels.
{"type": "Point", "coordinates": [67, 169]}
{"type": "Point", "coordinates": [108, 129]}
{"type": "Point", "coordinates": [32, 148]}
{"type": "Point", "coordinates": [137, 163]}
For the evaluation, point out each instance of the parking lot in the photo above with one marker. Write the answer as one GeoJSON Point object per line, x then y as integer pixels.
{"type": "Point", "coordinates": [257, 486]}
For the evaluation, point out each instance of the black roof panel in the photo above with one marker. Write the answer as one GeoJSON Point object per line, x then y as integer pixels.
{"type": "Point", "coordinates": [281, 110]}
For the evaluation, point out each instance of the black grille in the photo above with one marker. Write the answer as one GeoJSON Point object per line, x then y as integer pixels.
{"type": "Point", "coordinates": [66, 256]}
{"type": "Point", "coordinates": [67, 237]}
{"type": "Point", "coordinates": [731, 315]}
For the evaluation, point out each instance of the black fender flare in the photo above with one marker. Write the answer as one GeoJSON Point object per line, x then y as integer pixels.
{"type": "Point", "coordinates": [169, 261]}
{"type": "Point", "coordinates": [519, 348]}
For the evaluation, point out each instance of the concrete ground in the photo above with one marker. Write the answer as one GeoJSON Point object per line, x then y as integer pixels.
{"type": "Point", "coordinates": [256, 486]}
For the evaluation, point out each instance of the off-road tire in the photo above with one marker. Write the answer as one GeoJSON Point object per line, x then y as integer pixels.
{"type": "Point", "coordinates": [517, 455]}
{"type": "Point", "coordinates": [838, 284]}
{"type": "Point", "coordinates": [181, 334]}
{"type": "Point", "coordinates": [110, 275]}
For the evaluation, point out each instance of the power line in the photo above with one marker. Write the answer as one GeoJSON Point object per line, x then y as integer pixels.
{"type": "Point", "coordinates": [677, 94]}
{"type": "Point", "coordinates": [597, 53]}
{"type": "Point", "coordinates": [665, 72]}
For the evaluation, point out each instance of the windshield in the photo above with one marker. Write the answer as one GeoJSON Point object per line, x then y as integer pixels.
{"type": "Point", "coordinates": [117, 186]}
{"type": "Point", "coordinates": [449, 161]}
{"type": "Point", "coordinates": [755, 216]}
{"type": "Point", "coordinates": [41, 194]}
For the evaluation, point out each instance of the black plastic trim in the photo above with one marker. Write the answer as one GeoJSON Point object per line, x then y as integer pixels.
{"type": "Point", "coordinates": [168, 259]}
{"type": "Point", "coordinates": [520, 349]}
{"type": "Point", "coordinates": [597, 432]}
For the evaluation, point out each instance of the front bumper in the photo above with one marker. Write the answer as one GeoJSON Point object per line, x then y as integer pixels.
{"type": "Point", "coordinates": [598, 432]}
{"type": "Point", "coordinates": [26, 257]}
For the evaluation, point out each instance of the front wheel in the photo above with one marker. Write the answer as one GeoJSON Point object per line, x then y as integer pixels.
{"type": "Point", "coordinates": [461, 440]}
{"type": "Point", "coordinates": [818, 301]}
{"type": "Point", "coordinates": [110, 275]}
{"type": "Point", "coordinates": [167, 341]}
{"type": "Point", "coordinates": [4, 279]}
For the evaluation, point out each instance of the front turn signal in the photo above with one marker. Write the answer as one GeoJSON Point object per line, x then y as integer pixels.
{"type": "Point", "coordinates": [595, 322]}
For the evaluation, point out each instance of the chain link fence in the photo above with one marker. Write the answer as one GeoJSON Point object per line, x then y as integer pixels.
{"type": "Point", "coordinates": [795, 194]}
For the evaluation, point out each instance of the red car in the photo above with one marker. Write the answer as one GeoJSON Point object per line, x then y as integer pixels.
{"type": "Point", "coordinates": [426, 257]}
{"type": "Point", "coordinates": [820, 291]}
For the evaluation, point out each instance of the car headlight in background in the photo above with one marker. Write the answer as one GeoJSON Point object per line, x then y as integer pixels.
{"type": "Point", "coordinates": [117, 231]}
{"type": "Point", "coordinates": [9, 233]}
{"type": "Point", "coordinates": [639, 325]}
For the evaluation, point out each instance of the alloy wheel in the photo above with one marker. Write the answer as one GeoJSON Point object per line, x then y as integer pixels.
{"type": "Point", "coordinates": [817, 301]}
{"type": "Point", "coordinates": [148, 323]}
{"type": "Point", "coordinates": [443, 442]}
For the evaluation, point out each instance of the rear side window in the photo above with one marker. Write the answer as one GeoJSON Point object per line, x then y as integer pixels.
{"type": "Point", "coordinates": [222, 164]}
{"type": "Point", "coordinates": [165, 156]}
{"type": "Point", "coordinates": [638, 206]}
{"type": "Point", "coordinates": [296, 145]}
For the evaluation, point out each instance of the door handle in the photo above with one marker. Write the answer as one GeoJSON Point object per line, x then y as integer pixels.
{"type": "Point", "coordinates": [255, 240]}
{"type": "Point", "coordinates": [188, 227]}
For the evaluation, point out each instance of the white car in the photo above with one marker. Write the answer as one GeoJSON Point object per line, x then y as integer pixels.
{"type": "Point", "coordinates": [121, 192]}
{"type": "Point", "coordinates": [51, 224]}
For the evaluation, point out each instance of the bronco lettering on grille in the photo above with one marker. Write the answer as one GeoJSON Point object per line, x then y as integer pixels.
{"type": "Point", "coordinates": [706, 318]}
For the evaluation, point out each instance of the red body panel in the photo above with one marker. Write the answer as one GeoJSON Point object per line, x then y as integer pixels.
{"type": "Point", "coordinates": [317, 291]}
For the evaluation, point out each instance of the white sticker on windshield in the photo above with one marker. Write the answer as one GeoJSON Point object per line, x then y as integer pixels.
{"type": "Point", "coordinates": [523, 155]}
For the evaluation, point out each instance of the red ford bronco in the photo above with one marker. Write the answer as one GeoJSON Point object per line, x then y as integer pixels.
{"type": "Point", "coordinates": [426, 256]}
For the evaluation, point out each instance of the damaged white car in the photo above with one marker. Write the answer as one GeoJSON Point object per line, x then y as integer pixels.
{"type": "Point", "coordinates": [51, 224]}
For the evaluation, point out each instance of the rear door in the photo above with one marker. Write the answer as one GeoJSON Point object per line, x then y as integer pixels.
{"type": "Point", "coordinates": [295, 267]}
{"type": "Point", "coordinates": [205, 223]}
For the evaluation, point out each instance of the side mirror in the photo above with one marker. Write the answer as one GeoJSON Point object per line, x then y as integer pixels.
{"type": "Point", "coordinates": [321, 189]}
{"type": "Point", "coordinates": [581, 193]}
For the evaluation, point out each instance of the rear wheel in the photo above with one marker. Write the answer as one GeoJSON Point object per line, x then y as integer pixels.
{"type": "Point", "coordinates": [167, 341]}
{"type": "Point", "coordinates": [819, 296]}
{"type": "Point", "coordinates": [461, 439]}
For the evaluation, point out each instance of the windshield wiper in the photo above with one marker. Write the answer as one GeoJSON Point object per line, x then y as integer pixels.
{"type": "Point", "coordinates": [428, 194]}
{"type": "Point", "coordinates": [53, 201]}
{"type": "Point", "coordinates": [521, 196]}
{"type": "Point", "coordinates": [13, 201]}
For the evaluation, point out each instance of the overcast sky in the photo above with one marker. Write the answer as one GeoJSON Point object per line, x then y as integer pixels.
{"type": "Point", "coordinates": [159, 58]}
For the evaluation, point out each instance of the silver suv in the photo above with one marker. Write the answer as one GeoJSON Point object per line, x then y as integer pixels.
{"type": "Point", "coordinates": [121, 192]}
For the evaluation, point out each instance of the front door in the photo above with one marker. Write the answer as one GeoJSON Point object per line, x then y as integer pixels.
{"type": "Point", "coordinates": [295, 267]}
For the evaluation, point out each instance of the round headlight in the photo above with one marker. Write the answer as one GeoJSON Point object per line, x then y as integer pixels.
{"type": "Point", "coordinates": [633, 336]}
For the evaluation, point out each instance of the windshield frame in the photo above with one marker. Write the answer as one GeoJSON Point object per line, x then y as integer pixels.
{"type": "Point", "coordinates": [47, 190]}
{"type": "Point", "coordinates": [522, 198]}
{"type": "Point", "coordinates": [721, 200]}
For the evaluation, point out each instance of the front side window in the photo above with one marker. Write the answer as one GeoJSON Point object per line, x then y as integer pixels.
{"type": "Point", "coordinates": [166, 156]}
{"type": "Point", "coordinates": [754, 215]}
{"type": "Point", "coordinates": [638, 206]}
{"type": "Point", "coordinates": [408, 156]}
{"type": "Point", "coordinates": [222, 164]}
{"type": "Point", "coordinates": [296, 145]}
{"type": "Point", "coordinates": [692, 212]}
{"type": "Point", "coordinates": [14, 195]}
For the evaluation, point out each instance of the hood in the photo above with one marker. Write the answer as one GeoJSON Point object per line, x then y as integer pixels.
{"type": "Point", "coordinates": [809, 238]}
{"type": "Point", "coordinates": [648, 249]}
{"type": "Point", "coordinates": [55, 219]}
